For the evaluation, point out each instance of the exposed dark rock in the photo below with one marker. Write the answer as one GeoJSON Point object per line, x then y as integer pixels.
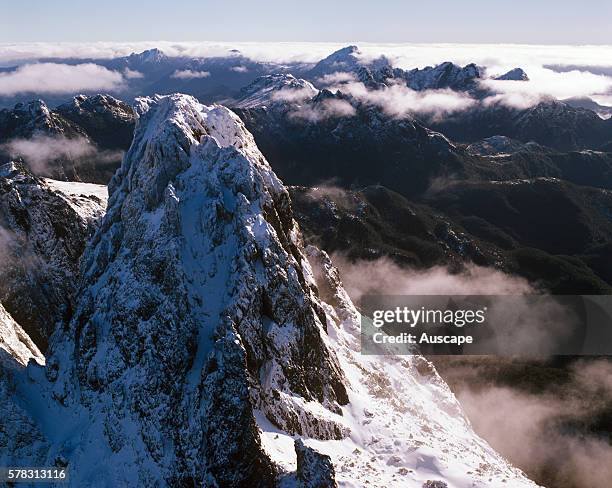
{"type": "Point", "coordinates": [314, 470]}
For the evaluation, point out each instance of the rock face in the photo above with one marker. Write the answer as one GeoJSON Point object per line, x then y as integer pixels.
{"type": "Point", "coordinates": [108, 121]}
{"type": "Point", "coordinates": [314, 470]}
{"type": "Point", "coordinates": [201, 347]}
{"type": "Point", "coordinates": [445, 75]}
{"type": "Point", "coordinates": [34, 117]}
{"type": "Point", "coordinates": [551, 123]}
{"type": "Point", "coordinates": [79, 141]}
{"type": "Point", "coordinates": [495, 145]}
{"type": "Point", "coordinates": [42, 236]}
{"type": "Point", "coordinates": [334, 137]}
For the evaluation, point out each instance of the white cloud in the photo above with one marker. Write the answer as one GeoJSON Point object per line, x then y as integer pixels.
{"type": "Point", "coordinates": [41, 150]}
{"type": "Point", "coordinates": [336, 78]}
{"type": "Point", "coordinates": [326, 109]}
{"type": "Point", "coordinates": [499, 57]}
{"type": "Point", "coordinates": [293, 94]}
{"type": "Point", "coordinates": [59, 78]}
{"type": "Point", "coordinates": [131, 74]}
{"type": "Point", "coordinates": [187, 74]}
{"type": "Point", "coordinates": [547, 83]}
{"type": "Point", "coordinates": [239, 69]}
{"type": "Point", "coordinates": [399, 100]}
{"type": "Point", "coordinates": [384, 277]}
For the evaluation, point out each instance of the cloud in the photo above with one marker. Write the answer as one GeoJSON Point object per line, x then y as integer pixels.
{"type": "Point", "coordinates": [239, 69]}
{"type": "Point", "coordinates": [327, 109]}
{"type": "Point", "coordinates": [531, 429]}
{"type": "Point", "coordinates": [384, 277]}
{"type": "Point", "coordinates": [187, 74]}
{"type": "Point", "coordinates": [293, 94]}
{"type": "Point", "coordinates": [40, 151]}
{"type": "Point", "coordinates": [586, 62]}
{"type": "Point", "coordinates": [499, 57]}
{"type": "Point", "coordinates": [131, 74]}
{"type": "Point", "coordinates": [544, 83]}
{"type": "Point", "coordinates": [328, 191]}
{"type": "Point", "coordinates": [398, 100]}
{"type": "Point", "coordinates": [336, 78]}
{"type": "Point", "coordinates": [59, 78]}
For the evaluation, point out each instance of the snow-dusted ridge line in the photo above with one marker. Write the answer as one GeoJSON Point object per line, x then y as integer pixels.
{"type": "Point", "coordinates": [206, 339]}
{"type": "Point", "coordinates": [16, 343]}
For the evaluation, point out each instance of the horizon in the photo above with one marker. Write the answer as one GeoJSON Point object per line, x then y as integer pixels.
{"type": "Point", "coordinates": [559, 71]}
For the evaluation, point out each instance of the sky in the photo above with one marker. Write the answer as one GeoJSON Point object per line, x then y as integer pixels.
{"type": "Point", "coordinates": [454, 21]}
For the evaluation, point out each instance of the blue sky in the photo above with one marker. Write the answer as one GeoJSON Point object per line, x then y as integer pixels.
{"type": "Point", "coordinates": [479, 21]}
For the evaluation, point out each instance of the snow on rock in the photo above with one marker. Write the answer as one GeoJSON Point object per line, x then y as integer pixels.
{"type": "Point", "coordinates": [16, 343]}
{"type": "Point", "coordinates": [516, 74]}
{"type": "Point", "coordinates": [445, 75]}
{"type": "Point", "coordinates": [207, 345]}
{"type": "Point", "coordinates": [406, 426]}
{"type": "Point", "coordinates": [42, 236]}
{"type": "Point", "coordinates": [348, 59]}
{"type": "Point", "coordinates": [89, 200]}
{"type": "Point", "coordinates": [275, 89]}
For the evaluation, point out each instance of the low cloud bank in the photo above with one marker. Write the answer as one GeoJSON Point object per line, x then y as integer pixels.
{"type": "Point", "coordinates": [293, 95]}
{"type": "Point", "coordinates": [54, 78]}
{"type": "Point", "coordinates": [545, 83]}
{"type": "Point", "coordinates": [544, 431]}
{"type": "Point", "coordinates": [398, 100]}
{"type": "Point", "coordinates": [500, 57]}
{"type": "Point", "coordinates": [384, 277]}
{"type": "Point", "coordinates": [40, 151]}
{"type": "Point", "coordinates": [188, 74]}
{"type": "Point", "coordinates": [326, 109]}
{"type": "Point", "coordinates": [540, 433]}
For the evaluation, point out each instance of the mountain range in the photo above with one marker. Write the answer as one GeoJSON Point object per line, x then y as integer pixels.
{"type": "Point", "coordinates": [170, 314]}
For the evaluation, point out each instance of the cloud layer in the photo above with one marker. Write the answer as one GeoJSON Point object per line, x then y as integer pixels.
{"type": "Point", "coordinates": [588, 74]}
{"type": "Point", "coordinates": [53, 78]}
{"type": "Point", "coordinates": [187, 74]}
{"type": "Point", "coordinates": [40, 151]}
{"type": "Point", "coordinates": [327, 109]}
{"type": "Point", "coordinates": [535, 430]}
{"type": "Point", "coordinates": [399, 100]}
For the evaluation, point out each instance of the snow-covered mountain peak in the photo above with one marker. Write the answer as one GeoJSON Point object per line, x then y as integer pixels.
{"type": "Point", "coordinates": [199, 259]}
{"type": "Point", "coordinates": [96, 103]}
{"type": "Point", "coordinates": [347, 59]}
{"type": "Point", "coordinates": [149, 56]}
{"type": "Point", "coordinates": [444, 75]}
{"type": "Point", "coordinates": [278, 88]}
{"type": "Point", "coordinates": [35, 112]}
{"type": "Point", "coordinates": [516, 74]}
